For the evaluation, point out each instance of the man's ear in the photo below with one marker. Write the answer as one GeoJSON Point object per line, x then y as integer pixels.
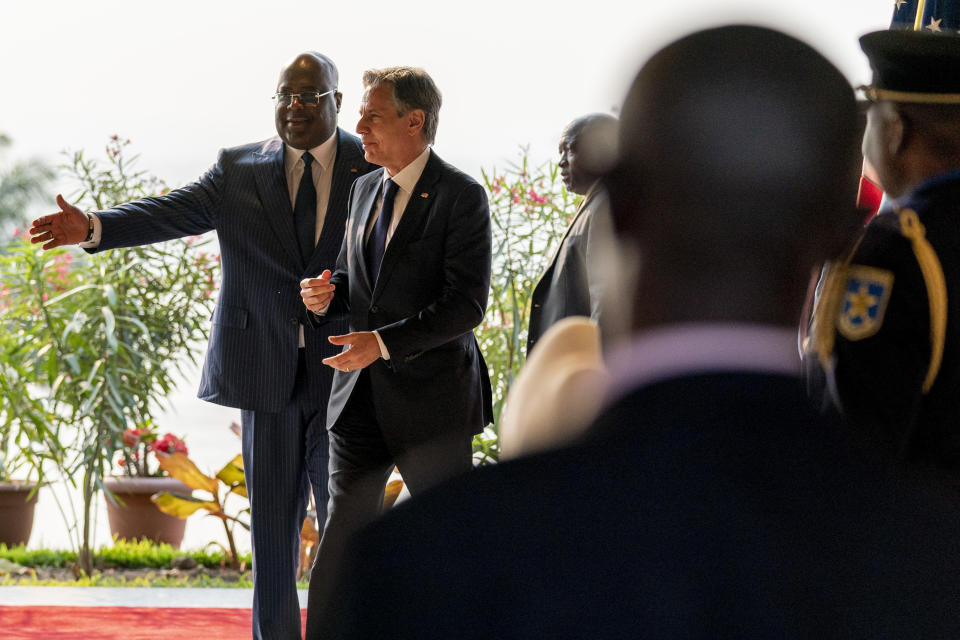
{"type": "Point", "coordinates": [338, 97]}
{"type": "Point", "coordinates": [897, 132]}
{"type": "Point", "coordinates": [415, 121]}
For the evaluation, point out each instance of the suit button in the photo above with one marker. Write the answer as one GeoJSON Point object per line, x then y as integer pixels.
{"type": "Point", "coordinates": [294, 321]}
{"type": "Point", "coordinates": [374, 309]}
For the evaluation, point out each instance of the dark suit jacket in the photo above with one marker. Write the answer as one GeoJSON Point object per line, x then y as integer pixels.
{"type": "Point", "coordinates": [432, 291]}
{"type": "Point", "coordinates": [708, 506]}
{"type": "Point", "coordinates": [251, 360]}
{"type": "Point", "coordinates": [572, 285]}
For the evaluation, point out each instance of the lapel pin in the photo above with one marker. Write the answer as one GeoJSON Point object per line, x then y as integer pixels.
{"type": "Point", "coordinates": [353, 169]}
{"type": "Point", "coordinates": [424, 195]}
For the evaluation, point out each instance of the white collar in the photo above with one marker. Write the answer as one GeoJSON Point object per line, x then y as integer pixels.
{"type": "Point", "coordinates": [323, 153]}
{"type": "Point", "coordinates": [408, 177]}
{"type": "Point", "coordinates": [677, 350]}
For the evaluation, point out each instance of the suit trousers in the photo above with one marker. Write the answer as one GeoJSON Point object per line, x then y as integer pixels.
{"type": "Point", "coordinates": [361, 461]}
{"type": "Point", "coordinates": [284, 453]}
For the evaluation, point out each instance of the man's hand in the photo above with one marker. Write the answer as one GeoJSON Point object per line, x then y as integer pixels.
{"type": "Point", "coordinates": [317, 293]}
{"type": "Point", "coordinates": [364, 349]}
{"type": "Point", "coordinates": [67, 226]}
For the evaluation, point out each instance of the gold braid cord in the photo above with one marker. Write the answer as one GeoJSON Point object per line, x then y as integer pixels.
{"type": "Point", "coordinates": [825, 310]}
{"type": "Point", "coordinates": [913, 230]}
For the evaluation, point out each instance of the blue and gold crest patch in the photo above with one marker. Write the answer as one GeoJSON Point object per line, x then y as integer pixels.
{"type": "Point", "coordinates": [865, 298]}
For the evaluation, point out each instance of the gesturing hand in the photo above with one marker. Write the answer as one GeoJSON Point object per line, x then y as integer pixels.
{"type": "Point", "coordinates": [67, 226]}
{"type": "Point", "coordinates": [317, 292]}
{"type": "Point", "coordinates": [364, 349]}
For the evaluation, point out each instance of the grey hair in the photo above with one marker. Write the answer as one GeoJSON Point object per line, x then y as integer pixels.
{"type": "Point", "coordinates": [413, 88]}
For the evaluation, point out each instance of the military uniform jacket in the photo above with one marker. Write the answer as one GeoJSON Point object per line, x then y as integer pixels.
{"type": "Point", "coordinates": [884, 348]}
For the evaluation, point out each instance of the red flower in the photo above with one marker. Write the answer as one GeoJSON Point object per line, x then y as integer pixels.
{"type": "Point", "coordinates": [131, 437]}
{"type": "Point", "coordinates": [168, 444]}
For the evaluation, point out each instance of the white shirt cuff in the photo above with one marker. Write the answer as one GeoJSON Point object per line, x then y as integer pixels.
{"type": "Point", "coordinates": [97, 234]}
{"type": "Point", "coordinates": [383, 348]}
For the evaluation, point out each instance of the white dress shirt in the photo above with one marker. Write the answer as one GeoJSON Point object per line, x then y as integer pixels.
{"type": "Point", "coordinates": [322, 168]}
{"type": "Point", "coordinates": [406, 179]}
{"type": "Point", "coordinates": [324, 156]}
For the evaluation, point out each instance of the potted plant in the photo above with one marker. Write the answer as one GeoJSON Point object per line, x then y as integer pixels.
{"type": "Point", "coordinates": [25, 440]}
{"type": "Point", "coordinates": [130, 510]}
{"type": "Point", "coordinates": [22, 425]}
{"type": "Point", "coordinates": [102, 345]}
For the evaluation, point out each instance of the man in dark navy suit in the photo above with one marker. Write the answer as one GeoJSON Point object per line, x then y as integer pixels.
{"type": "Point", "coordinates": [279, 208]}
{"type": "Point", "coordinates": [709, 499]}
{"type": "Point", "coordinates": [411, 388]}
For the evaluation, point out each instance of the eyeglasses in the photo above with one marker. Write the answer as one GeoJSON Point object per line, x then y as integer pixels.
{"type": "Point", "coordinates": [305, 99]}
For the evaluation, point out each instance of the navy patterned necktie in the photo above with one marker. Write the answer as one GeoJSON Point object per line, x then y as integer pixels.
{"type": "Point", "coordinates": [377, 242]}
{"type": "Point", "coordinates": [305, 210]}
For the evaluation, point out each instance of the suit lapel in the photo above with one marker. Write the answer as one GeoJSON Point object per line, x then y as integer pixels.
{"type": "Point", "coordinates": [272, 186]}
{"type": "Point", "coordinates": [420, 202]}
{"type": "Point", "coordinates": [366, 198]}
{"type": "Point", "coordinates": [584, 204]}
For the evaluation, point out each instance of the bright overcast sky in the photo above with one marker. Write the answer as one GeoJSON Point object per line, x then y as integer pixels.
{"type": "Point", "coordinates": [185, 78]}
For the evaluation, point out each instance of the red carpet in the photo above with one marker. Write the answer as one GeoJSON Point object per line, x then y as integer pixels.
{"type": "Point", "coordinates": [124, 623]}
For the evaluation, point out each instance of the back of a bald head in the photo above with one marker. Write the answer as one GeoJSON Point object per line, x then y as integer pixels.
{"type": "Point", "coordinates": [737, 174]}
{"type": "Point", "coordinates": [735, 118]}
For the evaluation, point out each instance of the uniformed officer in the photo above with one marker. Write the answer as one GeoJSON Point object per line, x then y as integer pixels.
{"type": "Point", "coordinates": [886, 326]}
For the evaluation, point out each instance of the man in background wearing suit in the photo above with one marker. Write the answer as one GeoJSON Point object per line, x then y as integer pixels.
{"type": "Point", "coordinates": [573, 282]}
{"type": "Point", "coordinates": [709, 499]}
{"type": "Point", "coordinates": [279, 214]}
{"type": "Point", "coordinates": [413, 276]}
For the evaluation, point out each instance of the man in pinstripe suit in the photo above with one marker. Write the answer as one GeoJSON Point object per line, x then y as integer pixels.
{"type": "Point", "coordinates": [275, 226]}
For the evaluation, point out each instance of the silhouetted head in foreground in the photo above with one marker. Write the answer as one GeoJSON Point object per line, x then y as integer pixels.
{"type": "Point", "coordinates": [737, 174]}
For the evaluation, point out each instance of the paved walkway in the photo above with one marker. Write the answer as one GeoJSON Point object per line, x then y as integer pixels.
{"type": "Point", "coordinates": [131, 597]}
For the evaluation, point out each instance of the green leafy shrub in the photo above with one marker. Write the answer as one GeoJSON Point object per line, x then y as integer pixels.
{"type": "Point", "coordinates": [529, 210]}
{"type": "Point", "coordinates": [98, 340]}
{"type": "Point", "coordinates": [120, 554]}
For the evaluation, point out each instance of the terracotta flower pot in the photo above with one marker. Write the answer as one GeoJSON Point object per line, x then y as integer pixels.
{"type": "Point", "coordinates": [139, 517]}
{"type": "Point", "coordinates": [16, 512]}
